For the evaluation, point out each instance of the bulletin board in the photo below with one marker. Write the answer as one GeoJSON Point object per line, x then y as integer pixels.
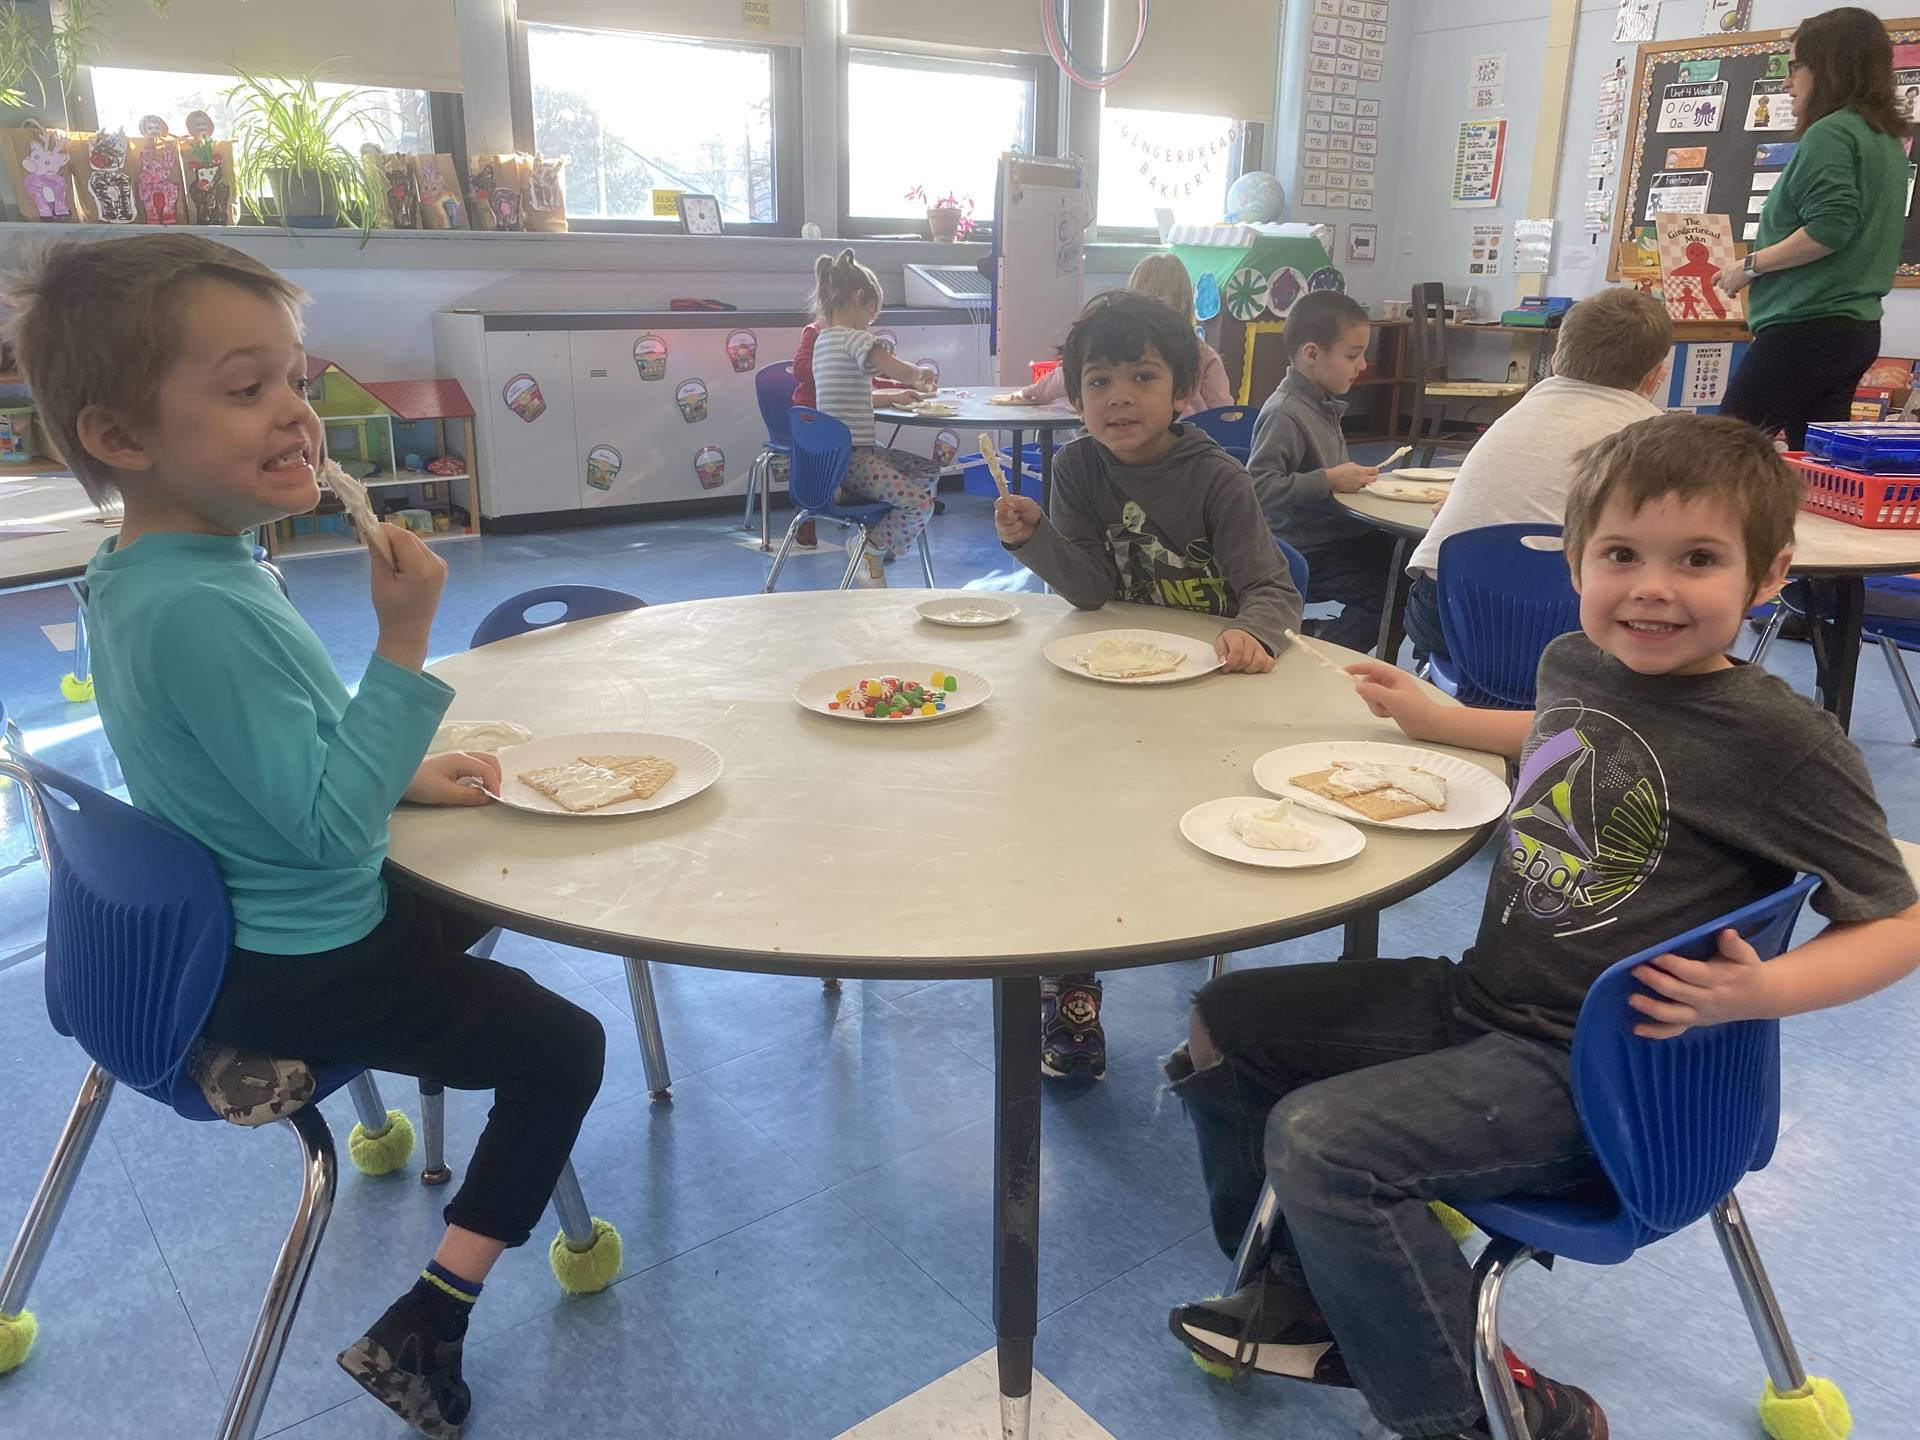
{"type": "Point", "coordinates": [1671, 81]}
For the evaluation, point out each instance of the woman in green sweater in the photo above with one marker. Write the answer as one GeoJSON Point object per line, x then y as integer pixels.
{"type": "Point", "coordinates": [1829, 237]}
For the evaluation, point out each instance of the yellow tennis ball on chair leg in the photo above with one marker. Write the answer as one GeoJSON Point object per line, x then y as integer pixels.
{"type": "Point", "coordinates": [384, 1153]}
{"type": "Point", "coordinates": [1817, 1411]}
{"type": "Point", "coordinates": [1457, 1226]}
{"type": "Point", "coordinates": [16, 1339]}
{"type": "Point", "coordinates": [583, 1272]}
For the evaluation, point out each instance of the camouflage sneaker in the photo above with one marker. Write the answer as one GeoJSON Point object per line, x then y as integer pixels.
{"type": "Point", "coordinates": [1071, 1040]}
{"type": "Point", "coordinates": [249, 1089]}
{"type": "Point", "coordinates": [404, 1365]}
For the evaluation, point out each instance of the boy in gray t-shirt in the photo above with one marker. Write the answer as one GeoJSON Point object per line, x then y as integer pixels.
{"type": "Point", "coordinates": [1363, 1089]}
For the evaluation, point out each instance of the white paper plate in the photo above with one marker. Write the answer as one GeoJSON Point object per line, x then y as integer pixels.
{"type": "Point", "coordinates": [1200, 658]}
{"type": "Point", "coordinates": [970, 612]}
{"type": "Point", "coordinates": [1210, 827]}
{"type": "Point", "coordinates": [819, 690]}
{"type": "Point", "coordinates": [1474, 796]}
{"type": "Point", "coordinates": [699, 767]}
{"type": "Point", "coordinates": [1434, 474]}
{"type": "Point", "coordinates": [1425, 492]}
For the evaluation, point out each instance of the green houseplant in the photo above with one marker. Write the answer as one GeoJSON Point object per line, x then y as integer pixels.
{"type": "Point", "coordinates": [287, 138]}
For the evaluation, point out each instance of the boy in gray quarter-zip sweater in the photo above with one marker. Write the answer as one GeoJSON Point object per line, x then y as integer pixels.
{"type": "Point", "coordinates": [1152, 511]}
{"type": "Point", "coordinates": [1299, 463]}
{"type": "Point", "coordinates": [1146, 509]}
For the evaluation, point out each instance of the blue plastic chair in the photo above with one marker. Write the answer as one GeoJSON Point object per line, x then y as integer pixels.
{"type": "Point", "coordinates": [1675, 1125]}
{"type": "Point", "coordinates": [773, 387]}
{"type": "Point", "coordinates": [505, 620]}
{"type": "Point", "coordinates": [1296, 566]}
{"type": "Point", "coordinates": [1231, 426]}
{"type": "Point", "coordinates": [582, 602]}
{"type": "Point", "coordinates": [1501, 604]}
{"type": "Point", "coordinates": [1894, 633]}
{"type": "Point", "coordinates": [138, 935]}
{"type": "Point", "coordinates": [822, 446]}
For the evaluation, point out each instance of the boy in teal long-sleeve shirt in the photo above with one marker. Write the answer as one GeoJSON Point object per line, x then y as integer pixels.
{"type": "Point", "coordinates": [169, 369]}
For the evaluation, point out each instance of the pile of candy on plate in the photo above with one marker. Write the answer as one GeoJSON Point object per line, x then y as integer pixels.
{"type": "Point", "coordinates": [891, 698]}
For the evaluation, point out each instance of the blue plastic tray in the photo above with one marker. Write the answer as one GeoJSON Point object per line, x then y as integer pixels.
{"type": "Point", "coordinates": [1873, 447]}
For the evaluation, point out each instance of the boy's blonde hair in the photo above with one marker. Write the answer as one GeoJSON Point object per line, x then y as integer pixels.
{"type": "Point", "coordinates": [97, 322]}
{"type": "Point", "coordinates": [1691, 457]}
{"type": "Point", "coordinates": [1614, 339]}
{"type": "Point", "coordinates": [841, 280]}
{"type": "Point", "coordinates": [1165, 278]}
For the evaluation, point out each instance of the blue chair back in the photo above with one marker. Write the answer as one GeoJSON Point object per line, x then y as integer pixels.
{"type": "Point", "coordinates": [583, 602]}
{"type": "Point", "coordinates": [1501, 604]}
{"type": "Point", "coordinates": [138, 933]}
{"type": "Point", "coordinates": [773, 387]}
{"type": "Point", "coordinates": [1296, 565]}
{"type": "Point", "coordinates": [1231, 426]}
{"type": "Point", "coordinates": [1676, 1123]}
{"type": "Point", "coordinates": [822, 446]}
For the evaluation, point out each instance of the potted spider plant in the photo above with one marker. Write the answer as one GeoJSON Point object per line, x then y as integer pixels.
{"type": "Point", "coordinates": [287, 138]}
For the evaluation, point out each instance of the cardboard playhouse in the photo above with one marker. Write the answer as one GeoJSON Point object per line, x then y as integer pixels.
{"type": "Point", "coordinates": [409, 441]}
{"type": "Point", "coordinates": [1242, 292]}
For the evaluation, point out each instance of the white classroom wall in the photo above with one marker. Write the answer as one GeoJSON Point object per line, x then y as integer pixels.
{"type": "Point", "coordinates": [1430, 238]}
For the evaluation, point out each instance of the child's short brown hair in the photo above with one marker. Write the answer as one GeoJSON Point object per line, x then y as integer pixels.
{"type": "Point", "coordinates": [97, 322]}
{"type": "Point", "coordinates": [1614, 339]}
{"type": "Point", "coordinates": [1321, 317]}
{"type": "Point", "coordinates": [1692, 457]}
{"type": "Point", "coordinates": [840, 280]}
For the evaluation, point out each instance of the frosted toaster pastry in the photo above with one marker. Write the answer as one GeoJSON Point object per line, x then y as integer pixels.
{"type": "Point", "coordinates": [353, 495]}
{"type": "Point", "coordinates": [579, 787]}
{"type": "Point", "coordinates": [649, 773]}
{"type": "Point", "coordinates": [1127, 660]}
{"type": "Point", "coordinates": [1379, 792]}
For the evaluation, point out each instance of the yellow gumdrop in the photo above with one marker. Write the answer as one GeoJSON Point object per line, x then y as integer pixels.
{"type": "Point", "coordinates": [939, 678]}
{"type": "Point", "coordinates": [929, 710]}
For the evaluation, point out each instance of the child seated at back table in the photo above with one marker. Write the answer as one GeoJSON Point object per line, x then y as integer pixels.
{"type": "Point", "coordinates": [1166, 279]}
{"type": "Point", "coordinates": [1299, 463]}
{"type": "Point", "coordinates": [845, 358]}
{"type": "Point", "coordinates": [1362, 1088]}
{"type": "Point", "coordinates": [1148, 510]}
{"type": "Point", "coordinates": [170, 370]}
{"type": "Point", "coordinates": [1609, 361]}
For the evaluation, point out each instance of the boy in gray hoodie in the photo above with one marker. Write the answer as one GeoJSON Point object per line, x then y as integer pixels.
{"type": "Point", "coordinates": [1299, 463]}
{"type": "Point", "coordinates": [1147, 510]}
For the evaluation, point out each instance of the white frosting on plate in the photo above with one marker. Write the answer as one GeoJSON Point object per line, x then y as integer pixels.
{"type": "Point", "coordinates": [1272, 828]}
{"type": "Point", "coordinates": [481, 736]}
{"type": "Point", "coordinates": [1113, 659]}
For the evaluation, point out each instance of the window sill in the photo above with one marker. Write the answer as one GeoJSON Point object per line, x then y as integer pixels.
{"type": "Point", "coordinates": [585, 250]}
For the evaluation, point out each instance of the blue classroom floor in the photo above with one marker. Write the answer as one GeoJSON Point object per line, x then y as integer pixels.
{"type": "Point", "coordinates": [806, 1224]}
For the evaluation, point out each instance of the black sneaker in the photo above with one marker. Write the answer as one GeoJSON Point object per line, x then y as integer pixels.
{"type": "Point", "coordinates": [405, 1364]}
{"type": "Point", "coordinates": [1554, 1411]}
{"type": "Point", "coordinates": [1071, 1040]}
{"type": "Point", "coordinates": [1269, 1327]}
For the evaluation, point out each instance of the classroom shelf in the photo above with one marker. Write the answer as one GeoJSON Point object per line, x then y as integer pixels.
{"type": "Point", "coordinates": [39, 465]}
{"type": "Point", "coordinates": [340, 545]}
{"type": "Point", "coordinates": [423, 478]}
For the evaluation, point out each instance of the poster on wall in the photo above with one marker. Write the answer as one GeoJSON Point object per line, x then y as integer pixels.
{"type": "Point", "coordinates": [1678, 192]}
{"type": "Point", "coordinates": [1478, 157]}
{"type": "Point", "coordinates": [1532, 247]}
{"type": "Point", "coordinates": [1770, 106]}
{"type": "Point", "coordinates": [1906, 93]}
{"type": "Point", "coordinates": [1483, 251]}
{"type": "Point", "coordinates": [1704, 381]}
{"type": "Point", "coordinates": [1635, 21]}
{"type": "Point", "coordinates": [1487, 81]}
{"type": "Point", "coordinates": [1693, 108]}
{"type": "Point", "coordinates": [1693, 249]}
{"type": "Point", "coordinates": [1726, 17]}
{"type": "Point", "coordinates": [1362, 243]}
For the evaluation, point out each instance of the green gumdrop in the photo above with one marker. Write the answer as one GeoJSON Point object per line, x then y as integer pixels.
{"type": "Point", "coordinates": [950, 684]}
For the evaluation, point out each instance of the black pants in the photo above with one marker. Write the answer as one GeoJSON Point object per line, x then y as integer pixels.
{"type": "Point", "coordinates": [409, 999]}
{"type": "Point", "coordinates": [1802, 371]}
{"type": "Point", "coordinates": [1423, 618]}
{"type": "Point", "coordinates": [1354, 572]}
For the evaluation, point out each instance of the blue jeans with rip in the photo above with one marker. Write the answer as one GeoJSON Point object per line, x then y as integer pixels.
{"type": "Point", "coordinates": [1364, 1089]}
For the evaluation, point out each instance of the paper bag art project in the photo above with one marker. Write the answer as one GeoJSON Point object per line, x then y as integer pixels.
{"type": "Point", "coordinates": [209, 172]}
{"type": "Point", "coordinates": [42, 173]}
{"type": "Point", "coordinates": [159, 183]}
{"type": "Point", "coordinates": [1693, 249]}
{"type": "Point", "coordinates": [108, 186]}
{"type": "Point", "coordinates": [441, 207]}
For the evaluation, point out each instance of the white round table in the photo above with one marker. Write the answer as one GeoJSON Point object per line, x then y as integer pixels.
{"type": "Point", "coordinates": [1824, 549]}
{"type": "Point", "coordinates": [1035, 835]}
{"type": "Point", "coordinates": [55, 503]}
{"type": "Point", "coordinates": [974, 412]}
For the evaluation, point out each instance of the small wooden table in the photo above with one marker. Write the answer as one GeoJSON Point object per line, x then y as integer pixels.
{"type": "Point", "coordinates": [1037, 835]}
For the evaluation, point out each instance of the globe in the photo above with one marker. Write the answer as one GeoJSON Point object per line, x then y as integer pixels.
{"type": "Point", "coordinates": [1256, 198]}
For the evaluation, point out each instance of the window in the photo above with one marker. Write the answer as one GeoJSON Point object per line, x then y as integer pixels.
{"type": "Point", "coordinates": [640, 114]}
{"type": "Point", "coordinates": [391, 119]}
{"type": "Point", "coordinates": [917, 120]}
{"type": "Point", "coordinates": [1158, 160]}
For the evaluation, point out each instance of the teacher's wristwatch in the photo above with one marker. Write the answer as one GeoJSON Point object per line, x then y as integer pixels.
{"type": "Point", "coordinates": [1751, 264]}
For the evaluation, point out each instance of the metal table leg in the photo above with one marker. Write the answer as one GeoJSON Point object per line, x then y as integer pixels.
{"type": "Point", "coordinates": [77, 686]}
{"type": "Point", "coordinates": [1360, 940]}
{"type": "Point", "coordinates": [1836, 640]}
{"type": "Point", "coordinates": [1393, 614]}
{"type": "Point", "coordinates": [1046, 470]}
{"type": "Point", "coordinates": [1016, 1195]}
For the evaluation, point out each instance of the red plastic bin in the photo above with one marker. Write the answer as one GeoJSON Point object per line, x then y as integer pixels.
{"type": "Point", "coordinates": [1873, 502]}
{"type": "Point", "coordinates": [1040, 369]}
